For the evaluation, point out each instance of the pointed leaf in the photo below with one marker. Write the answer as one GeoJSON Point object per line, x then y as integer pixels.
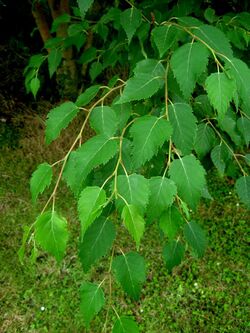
{"type": "Point", "coordinates": [195, 236]}
{"type": "Point", "coordinates": [164, 37]}
{"type": "Point", "coordinates": [123, 113]}
{"type": "Point", "coordinates": [170, 222]}
{"type": "Point", "coordinates": [188, 63]}
{"type": "Point", "coordinates": [87, 95]}
{"type": "Point", "coordinates": [173, 253]}
{"type": "Point", "coordinates": [162, 193]}
{"type": "Point", "coordinates": [34, 86]}
{"type": "Point", "coordinates": [58, 119]}
{"type": "Point", "coordinates": [129, 270]}
{"type": "Point", "coordinates": [134, 189]}
{"type": "Point", "coordinates": [184, 126]}
{"type": "Point", "coordinates": [242, 186]}
{"type": "Point", "coordinates": [52, 234]}
{"type": "Point", "coordinates": [149, 133]}
{"type": "Point", "coordinates": [96, 151]}
{"type": "Point", "coordinates": [95, 70]}
{"type": "Point", "coordinates": [90, 205]}
{"type": "Point", "coordinates": [214, 38]}
{"type": "Point", "coordinates": [92, 301]}
{"type": "Point", "coordinates": [134, 222]}
{"type": "Point", "coordinates": [220, 90]}
{"type": "Point", "coordinates": [189, 176]}
{"type": "Point", "coordinates": [103, 120]}
{"type": "Point", "coordinates": [205, 139]}
{"type": "Point", "coordinates": [54, 60]}
{"type": "Point", "coordinates": [220, 155]}
{"type": "Point", "coordinates": [41, 178]}
{"type": "Point", "coordinates": [243, 124]}
{"type": "Point", "coordinates": [84, 6]}
{"type": "Point", "coordinates": [125, 324]}
{"type": "Point", "coordinates": [96, 243]}
{"type": "Point", "coordinates": [241, 72]}
{"type": "Point", "coordinates": [130, 20]}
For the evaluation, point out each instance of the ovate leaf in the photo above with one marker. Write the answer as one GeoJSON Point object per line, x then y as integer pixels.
{"type": "Point", "coordinates": [125, 325]}
{"type": "Point", "coordinates": [41, 178]}
{"type": "Point", "coordinates": [96, 151]}
{"type": "Point", "coordinates": [188, 63]}
{"type": "Point", "coordinates": [92, 301]}
{"type": "Point", "coordinates": [173, 253]}
{"type": "Point", "coordinates": [134, 222]}
{"type": "Point", "coordinates": [87, 95]}
{"type": "Point", "coordinates": [162, 193]}
{"type": "Point", "coordinates": [96, 243]}
{"type": "Point", "coordinates": [54, 60]}
{"type": "Point", "coordinates": [241, 72]}
{"type": "Point", "coordinates": [129, 270]}
{"type": "Point", "coordinates": [149, 133]}
{"type": "Point", "coordinates": [34, 86]}
{"type": "Point", "coordinates": [84, 6]}
{"type": "Point", "coordinates": [58, 119]}
{"type": "Point", "coordinates": [189, 176]}
{"type": "Point", "coordinates": [130, 20]}
{"type": "Point", "coordinates": [51, 234]}
{"type": "Point", "coordinates": [95, 70]}
{"type": "Point", "coordinates": [184, 126]}
{"type": "Point", "coordinates": [220, 90]}
{"type": "Point", "coordinates": [134, 189]}
{"type": "Point", "coordinates": [214, 38]}
{"type": "Point", "coordinates": [242, 186]}
{"type": "Point", "coordinates": [164, 37]}
{"type": "Point", "coordinates": [195, 236]}
{"type": "Point", "coordinates": [220, 155]}
{"type": "Point", "coordinates": [123, 113]}
{"type": "Point", "coordinates": [243, 124]}
{"type": "Point", "coordinates": [171, 221]}
{"type": "Point", "coordinates": [90, 205]}
{"type": "Point", "coordinates": [103, 120]}
{"type": "Point", "coordinates": [205, 139]}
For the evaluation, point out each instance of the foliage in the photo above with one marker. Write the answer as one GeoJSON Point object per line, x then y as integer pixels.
{"type": "Point", "coordinates": [151, 165]}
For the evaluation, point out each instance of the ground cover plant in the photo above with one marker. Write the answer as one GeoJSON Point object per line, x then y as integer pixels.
{"type": "Point", "coordinates": [183, 107]}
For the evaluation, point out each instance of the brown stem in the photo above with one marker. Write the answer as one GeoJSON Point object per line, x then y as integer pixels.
{"type": "Point", "coordinates": [41, 21]}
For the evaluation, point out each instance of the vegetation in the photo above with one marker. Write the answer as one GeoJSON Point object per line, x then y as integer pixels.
{"type": "Point", "coordinates": [139, 179]}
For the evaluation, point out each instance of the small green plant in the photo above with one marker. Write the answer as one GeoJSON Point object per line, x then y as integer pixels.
{"type": "Point", "coordinates": [187, 101]}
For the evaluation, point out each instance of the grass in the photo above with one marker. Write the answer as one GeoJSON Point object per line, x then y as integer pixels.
{"type": "Point", "coordinates": [208, 295]}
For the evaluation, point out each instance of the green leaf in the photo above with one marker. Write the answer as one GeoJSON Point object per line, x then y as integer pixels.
{"type": "Point", "coordinates": [52, 234]}
{"type": "Point", "coordinates": [241, 72]}
{"type": "Point", "coordinates": [214, 38]}
{"type": "Point", "coordinates": [64, 18]}
{"type": "Point", "coordinates": [54, 60]}
{"type": "Point", "coordinates": [129, 270]}
{"type": "Point", "coordinates": [228, 124]}
{"type": "Point", "coordinates": [243, 125]}
{"type": "Point", "coordinates": [189, 176]}
{"type": "Point", "coordinates": [188, 62]}
{"type": "Point", "coordinates": [171, 221]}
{"type": "Point", "coordinates": [94, 152]}
{"type": "Point", "coordinates": [148, 79]}
{"type": "Point", "coordinates": [90, 205]}
{"type": "Point", "coordinates": [149, 133]}
{"type": "Point", "coordinates": [87, 95]}
{"type": "Point", "coordinates": [123, 113]}
{"type": "Point", "coordinates": [164, 37]}
{"type": "Point", "coordinates": [34, 86]}
{"type": "Point", "coordinates": [162, 193]}
{"type": "Point", "coordinates": [84, 6]}
{"type": "Point", "coordinates": [95, 70]}
{"type": "Point", "coordinates": [21, 251]}
{"type": "Point", "coordinates": [58, 119]}
{"type": "Point", "coordinates": [195, 236]}
{"type": "Point", "coordinates": [130, 20]}
{"type": "Point", "coordinates": [220, 155]}
{"type": "Point", "coordinates": [220, 90]}
{"type": "Point", "coordinates": [125, 324]}
{"type": "Point", "coordinates": [36, 60]}
{"type": "Point", "coordinates": [173, 253]}
{"type": "Point", "coordinates": [41, 178]}
{"type": "Point", "coordinates": [184, 126]}
{"type": "Point", "coordinates": [103, 120]}
{"type": "Point", "coordinates": [205, 139]}
{"type": "Point", "coordinates": [242, 187]}
{"type": "Point", "coordinates": [247, 159]}
{"type": "Point", "coordinates": [134, 222]}
{"type": "Point", "coordinates": [92, 301]}
{"type": "Point", "coordinates": [134, 189]}
{"type": "Point", "coordinates": [96, 242]}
